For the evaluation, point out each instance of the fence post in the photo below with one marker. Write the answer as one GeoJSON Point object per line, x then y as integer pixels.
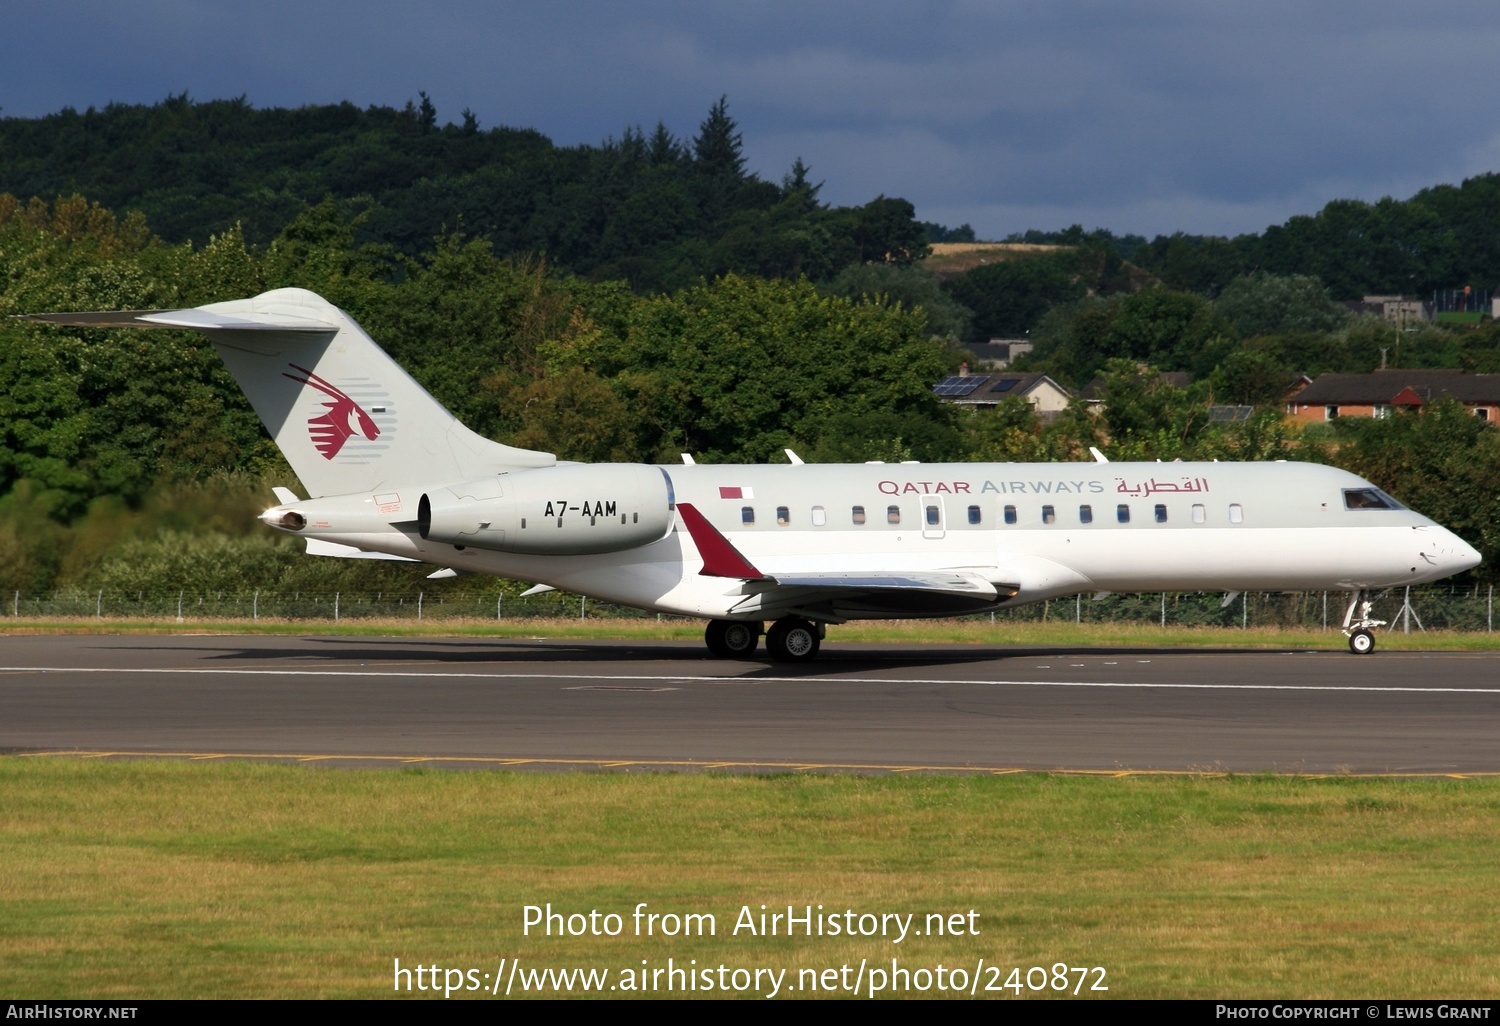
{"type": "Point", "coordinates": [1245, 611]}
{"type": "Point", "coordinates": [255, 605]}
{"type": "Point", "coordinates": [336, 607]}
{"type": "Point", "coordinates": [419, 605]}
{"type": "Point", "coordinates": [582, 606]}
{"type": "Point", "coordinates": [99, 605]}
{"type": "Point", "coordinates": [15, 603]}
{"type": "Point", "coordinates": [1163, 610]}
{"type": "Point", "coordinates": [498, 598]}
{"type": "Point", "coordinates": [1490, 613]}
{"type": "Point", "coordinates": [179, 607]}
{"type": "Point", "coordinates": [1078, 608]}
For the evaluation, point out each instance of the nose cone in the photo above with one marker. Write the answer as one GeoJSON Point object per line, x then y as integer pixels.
{"type": "Point", "coordinates": [1464, 555]}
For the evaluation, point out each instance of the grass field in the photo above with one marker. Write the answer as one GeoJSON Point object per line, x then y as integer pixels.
{"type": "Point", "coordinates": [176, 879]}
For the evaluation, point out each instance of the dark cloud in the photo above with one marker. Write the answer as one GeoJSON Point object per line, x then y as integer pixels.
{"type": "Point", "coordinates": [1152, 116]}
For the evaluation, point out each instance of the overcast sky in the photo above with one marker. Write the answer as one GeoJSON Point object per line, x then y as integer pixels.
{"type": "Point", "coordinates": [1147, 116]}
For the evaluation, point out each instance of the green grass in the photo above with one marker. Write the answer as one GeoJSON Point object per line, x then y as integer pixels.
{"type": "Point", "coordinates": [178, 879]}
{"type": "Point", "coordinates": [912, 632]}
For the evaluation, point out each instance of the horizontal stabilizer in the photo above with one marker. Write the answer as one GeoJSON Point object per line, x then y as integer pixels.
{"type": "Point", "coordinates": [337, 551]}
{"type": "Point", "coordinates": [197, 320]}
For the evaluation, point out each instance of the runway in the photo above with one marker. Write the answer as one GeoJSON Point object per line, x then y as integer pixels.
{"type": "Point", "coordinates": [667, 705]}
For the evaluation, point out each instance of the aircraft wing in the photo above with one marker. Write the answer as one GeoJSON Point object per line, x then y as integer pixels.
{"type": "Point", "coordinates": [832, 593]}
{"type": "Point", "coordinates": [957, 582]}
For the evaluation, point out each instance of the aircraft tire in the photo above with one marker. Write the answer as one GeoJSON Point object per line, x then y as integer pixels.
{"type": "Point", "coordinates": [1361, 642]}
{"type": "Point", "coordinates": [731, 639]}
{"type": "Point", "coordinates": [793, 640]}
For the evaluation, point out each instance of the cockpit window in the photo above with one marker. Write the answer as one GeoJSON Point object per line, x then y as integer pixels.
{"type": "Point", "coordinates": [1369, 498]}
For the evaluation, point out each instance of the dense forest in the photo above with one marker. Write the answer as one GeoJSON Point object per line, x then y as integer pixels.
{"type": "Point", "coordinates": [634, 300]}
{"type": "Point", "coordinates": [651, 209]}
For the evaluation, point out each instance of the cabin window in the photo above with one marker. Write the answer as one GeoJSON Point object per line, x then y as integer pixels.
{"type": "Point", "coordinates": [1369, 498]}
{"type": "Point", "coordinates": [1010, 514]}
{"type": "Point", "coordinates": [783, 516]}
{"type": "Point", "coordinates": [893, 514]}
{"type": "Point", "coordinates": [858, 514]}
{"type": "Point", "coordinates": [1085, 514]}
{"type": "Point", "coordinates": [1122, 513]}
{"type": "Point", "coordinates": [1236, 513]}
{"type": "Point", "coordinates": [933, 518]}
{"type": "Point", "coordinates": [819, 516]}
{"type": "Point", "coordinates": [1200, 515]}
{"type": "Point", "coordinates": [1049, 515]}
{"type": "Point", "coordinates": [973, 514]}
{"type": "Point", "coordinates": [747, 516]}
{"type": "Point", "coordinates": [1161, 513]}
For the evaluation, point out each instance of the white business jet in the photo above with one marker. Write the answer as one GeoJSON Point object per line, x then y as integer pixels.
{"type": "Point", "coordinates": [394, 475]}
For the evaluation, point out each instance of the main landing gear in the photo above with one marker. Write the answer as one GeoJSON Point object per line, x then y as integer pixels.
{"type": "Point", "coordinates": [732, 639]}
{"type": "Point", "coordinates": [793, 640]}
{"type": "Point", "coordinates": [1361, 641]}
{"type": "Point", "coordinates": [790, 639]}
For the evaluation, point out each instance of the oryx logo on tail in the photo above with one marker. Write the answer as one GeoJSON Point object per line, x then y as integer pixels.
{"type": "Point", "coordinates": [329, 431]}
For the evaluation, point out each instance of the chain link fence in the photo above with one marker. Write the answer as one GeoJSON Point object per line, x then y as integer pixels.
{"type": "Point", "coordinates": [186, 605]}
{"type": "Point", "coordinates": [1440, 607]}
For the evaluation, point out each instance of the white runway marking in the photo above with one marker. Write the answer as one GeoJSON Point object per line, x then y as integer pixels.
{"type": "Point", "coordinates": [744, 679]}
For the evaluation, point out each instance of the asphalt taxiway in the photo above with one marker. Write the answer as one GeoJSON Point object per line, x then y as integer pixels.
{"type": "Point", "coordinates": [667, 705]}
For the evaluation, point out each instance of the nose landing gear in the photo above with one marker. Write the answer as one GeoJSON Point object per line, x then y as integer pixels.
{"type": "Point", "coordinates": [1361, 640]}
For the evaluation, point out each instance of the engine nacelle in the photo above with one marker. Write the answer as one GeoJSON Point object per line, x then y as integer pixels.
{"type": "Point", "coordinates": [557, 511]}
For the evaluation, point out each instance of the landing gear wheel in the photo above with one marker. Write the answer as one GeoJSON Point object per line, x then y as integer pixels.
{"type": "Point", "coordinates": [731, 639]}
{"type": "Point", "coordinates": [793, 640]}
{"type": "Point", "coordinates": [1361, 642]}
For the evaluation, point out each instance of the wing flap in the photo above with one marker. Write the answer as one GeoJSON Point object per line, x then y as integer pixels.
{"type": "Point", "coordinates": [942, 582]}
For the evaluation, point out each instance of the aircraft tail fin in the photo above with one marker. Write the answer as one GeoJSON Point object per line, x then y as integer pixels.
{"type": "Point", "coordinates": [345, 415]}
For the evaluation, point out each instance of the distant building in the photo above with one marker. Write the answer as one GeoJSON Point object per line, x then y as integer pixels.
{"type": "Point", "coordinates": [993, 388]}
{"type": "Point", "coordinates": [998, 353]}
{"type": "Point", "coordinates": [1397, 310]}
{"type": "Point", "coordinates": [1377, 394]}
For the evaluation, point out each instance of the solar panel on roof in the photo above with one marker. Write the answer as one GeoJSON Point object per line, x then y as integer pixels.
{"type": "Point", "coordinates": [1006, 384]}
{"type": "Point", "coordinates": [958, 385]}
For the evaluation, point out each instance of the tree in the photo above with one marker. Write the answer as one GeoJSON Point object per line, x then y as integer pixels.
{"type": "Point", "coordinates": [910, 286]}
{"type": "Point", "coordinates": [718, 147]}
{"type": "Point", "coordinates": [737, 369]}
{"type": "Point", "coordinates": [1260, 303]}
{"type": "Point", "coordinates": [1010, 297]}
{"type": "Point", "coordinates": [888, 232]}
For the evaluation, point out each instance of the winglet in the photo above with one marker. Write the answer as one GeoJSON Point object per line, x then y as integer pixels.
{"type": "Point", "coordinates": [720, 558]}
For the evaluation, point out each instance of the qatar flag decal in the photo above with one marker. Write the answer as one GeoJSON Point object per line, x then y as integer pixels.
{"type": "Point", "coordinates": [738, 492]}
